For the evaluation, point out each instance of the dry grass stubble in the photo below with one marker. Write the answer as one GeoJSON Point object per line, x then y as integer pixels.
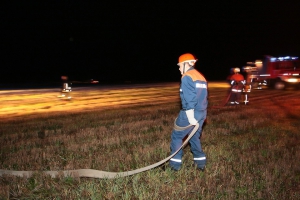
{"type": "Point", "coordinates": [251, 154]}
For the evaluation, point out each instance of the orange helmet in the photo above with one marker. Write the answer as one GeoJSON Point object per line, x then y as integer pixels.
{"type": "Point", "coordinates": [187, 57]}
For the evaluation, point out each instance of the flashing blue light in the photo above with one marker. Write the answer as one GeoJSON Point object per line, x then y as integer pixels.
{"type": "Point", "coordinates": [283, 58]}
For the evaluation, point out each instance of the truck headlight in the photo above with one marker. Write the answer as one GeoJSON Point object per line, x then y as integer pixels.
{"type": "Point", "coordinates": [292, 80]}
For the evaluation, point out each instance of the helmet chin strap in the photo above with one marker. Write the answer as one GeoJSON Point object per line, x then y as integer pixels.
{"type": "Point", "coordinates": [184, 66]}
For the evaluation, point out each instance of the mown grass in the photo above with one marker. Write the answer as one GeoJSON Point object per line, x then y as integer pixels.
{"type": "Point", "coordinates": [252, 151]}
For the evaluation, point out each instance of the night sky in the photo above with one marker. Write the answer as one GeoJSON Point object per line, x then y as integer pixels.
{"type": "Point", "coordinates": [120, 41]}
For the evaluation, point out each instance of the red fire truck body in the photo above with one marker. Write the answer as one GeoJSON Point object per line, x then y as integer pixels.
{"type": "Point", "coordinates": [276, 72]}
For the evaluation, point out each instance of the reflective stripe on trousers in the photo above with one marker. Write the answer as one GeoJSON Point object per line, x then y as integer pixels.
{"type": "Point", "coordinates": [178, 135]}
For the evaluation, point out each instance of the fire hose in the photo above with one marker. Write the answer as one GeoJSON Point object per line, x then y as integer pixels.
{"type": "Point", "coordinates": [224, 101]}
{"type": "Point", "coordinates": [92, 173]}
{"type": "Point", "coordinates": [246, 90]}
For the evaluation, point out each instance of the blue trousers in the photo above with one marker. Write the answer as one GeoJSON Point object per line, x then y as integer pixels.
{"type": "Point", "coordinates": [177, 137]}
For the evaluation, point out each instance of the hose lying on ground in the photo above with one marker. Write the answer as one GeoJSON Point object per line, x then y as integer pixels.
{"type": "Point", "coordinates": [92, 173]}
{"type": "Point", "coordinates": [224, 102]}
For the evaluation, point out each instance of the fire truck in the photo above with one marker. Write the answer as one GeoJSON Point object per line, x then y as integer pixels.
{"type": "Point", "coordinates": [273, 72]}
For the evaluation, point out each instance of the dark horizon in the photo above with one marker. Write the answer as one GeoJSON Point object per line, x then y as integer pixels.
{"type": "Point", "coordinates": [141, 41]}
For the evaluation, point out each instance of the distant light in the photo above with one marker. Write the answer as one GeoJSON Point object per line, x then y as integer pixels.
{"type": "Point", "coordinates": [258, 63]}
{"type": "Point", "coordinates": [292, 80]}
{"type": "Point", "coordinates": [283, 58]}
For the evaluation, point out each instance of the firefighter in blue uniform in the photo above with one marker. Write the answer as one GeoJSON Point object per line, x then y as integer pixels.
{"type": "Point", "coordinates": [193, 94]}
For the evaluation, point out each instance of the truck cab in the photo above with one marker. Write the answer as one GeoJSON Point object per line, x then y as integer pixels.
{"type": "Point", "coordinates": [275, 72]}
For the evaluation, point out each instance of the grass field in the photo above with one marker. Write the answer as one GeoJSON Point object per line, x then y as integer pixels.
{"type": "Point", "coordinates": [252, 152]}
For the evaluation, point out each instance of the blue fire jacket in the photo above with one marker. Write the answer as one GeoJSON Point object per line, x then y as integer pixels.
{"type": "Point", "coordinates": [193, 91]}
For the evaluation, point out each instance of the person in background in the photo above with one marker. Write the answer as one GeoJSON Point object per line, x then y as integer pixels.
{"type": "Point", "coordinates": [237, 82]}
{"type": "Point", "coordinates": [248, 84]}
{"type": "Point", "coordinates": [193, 94]}
{"type": "Point", "coordinates": [66, 88]}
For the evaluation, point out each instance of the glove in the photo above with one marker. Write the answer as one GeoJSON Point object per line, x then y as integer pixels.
{"type": "Point", "coordinates": [191, 117]}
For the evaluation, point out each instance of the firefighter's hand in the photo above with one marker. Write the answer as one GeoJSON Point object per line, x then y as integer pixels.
{"type": "Point", "coordinates": [191, 117]}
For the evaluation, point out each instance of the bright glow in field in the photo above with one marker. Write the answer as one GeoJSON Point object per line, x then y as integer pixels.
{"type": "Point", "coordinates": [18, 103]}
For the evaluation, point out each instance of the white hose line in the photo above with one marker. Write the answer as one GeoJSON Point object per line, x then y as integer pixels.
{"type": "Point", "coordinates": [92, 173]}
